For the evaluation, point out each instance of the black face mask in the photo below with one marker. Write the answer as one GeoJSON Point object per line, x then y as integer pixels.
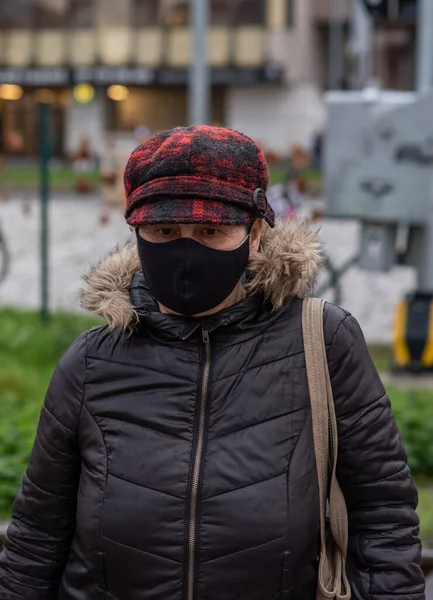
{"type": "Point", "coordinates": [188, 277]}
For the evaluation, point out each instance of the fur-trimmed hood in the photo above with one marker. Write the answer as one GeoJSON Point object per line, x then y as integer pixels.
{"type": "Point", "coordinates": [285, 266]}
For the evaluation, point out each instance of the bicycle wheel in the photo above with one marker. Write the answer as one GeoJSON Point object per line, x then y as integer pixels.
{"type": "Point", "coordinates": [4, 258]}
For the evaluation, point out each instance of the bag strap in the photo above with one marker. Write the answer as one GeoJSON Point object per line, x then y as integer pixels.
{"type": "Point", "coordinates": [332, 578]}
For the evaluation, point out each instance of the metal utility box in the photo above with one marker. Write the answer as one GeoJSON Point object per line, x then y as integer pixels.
{"type": "Point", "coordinates": [379, 157]}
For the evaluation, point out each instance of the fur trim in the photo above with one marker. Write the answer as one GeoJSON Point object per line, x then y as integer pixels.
{"type": "Point", "coordinates": [285, 266]}
{"type": "Point", "coordinates": [287, 262]}
{"type": "Point", "coordinates": [108, 288]}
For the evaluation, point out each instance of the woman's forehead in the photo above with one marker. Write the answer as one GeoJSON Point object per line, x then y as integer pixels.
{"type": "Point", "coordinates": [190, 226]}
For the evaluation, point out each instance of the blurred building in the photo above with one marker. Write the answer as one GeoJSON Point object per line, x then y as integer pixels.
{"type": "Point", "coordinates": [113, 65]}
{"type": "Point", "coordinates": [393, 43]}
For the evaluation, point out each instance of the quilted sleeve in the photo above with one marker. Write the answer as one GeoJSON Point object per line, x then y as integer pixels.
{"type": "Point", "coordinates": [384, 548]}
{"type": "Point", "coordinates": [43, 522]}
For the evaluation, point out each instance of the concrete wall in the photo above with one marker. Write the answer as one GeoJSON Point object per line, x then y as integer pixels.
{"type": "Point", "coordinates": [277, 117]}
{"type": "Point", "coordinates": [296, 48]}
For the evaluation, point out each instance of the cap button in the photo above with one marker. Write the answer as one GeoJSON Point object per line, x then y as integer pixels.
{"type": "Point", "coordinates": [260, 203]}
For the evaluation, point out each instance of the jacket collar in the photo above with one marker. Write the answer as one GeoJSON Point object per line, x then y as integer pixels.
{"type": "Point", "coordinates": [285, 267]}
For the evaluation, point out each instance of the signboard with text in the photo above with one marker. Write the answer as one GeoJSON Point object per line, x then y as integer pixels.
{"type": "Point", "coordinates": [134, 76]}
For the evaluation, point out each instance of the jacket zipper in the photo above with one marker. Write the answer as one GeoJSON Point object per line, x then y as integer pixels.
{"type": "Point", "coordinates": [198, 457]}
{"type": "Point", "coordinates": [190, 333]}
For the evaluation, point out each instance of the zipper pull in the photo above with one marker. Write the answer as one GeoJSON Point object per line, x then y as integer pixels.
{"type": "Point", "coordinates": [206, 338]}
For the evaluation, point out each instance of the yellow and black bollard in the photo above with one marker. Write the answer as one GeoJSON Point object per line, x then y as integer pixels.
{"type": "Point", "coordinates": [413, 333]}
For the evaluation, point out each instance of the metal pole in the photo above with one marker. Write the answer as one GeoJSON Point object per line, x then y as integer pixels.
{"type": "Point", "coordinates": [362, 42]}
{"type": "Point", "coordinates": [425, 46]}
{"type": "Point", "coordinates": [199, 84]}
{"type": "Point", "coordinates": [336, 44]}
{"type": "Point", "coordinates": [425, 269]}
{"type": "Point", "coordinates": [44, 113]}
{"type": "Point", "coordinates": [424, 86]}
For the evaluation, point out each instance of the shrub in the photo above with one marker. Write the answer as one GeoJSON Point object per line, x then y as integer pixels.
{"type": "Point", "coordinates": [413, 410]}
{"type": "Point", "coordinates": [29, 353]}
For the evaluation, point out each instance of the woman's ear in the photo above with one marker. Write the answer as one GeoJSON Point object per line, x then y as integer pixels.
{"type": "Point", "coordinates": [255, 237]}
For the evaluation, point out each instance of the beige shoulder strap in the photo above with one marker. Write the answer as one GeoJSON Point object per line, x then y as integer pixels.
{"type": "Point", "coordinates": [332, 578]}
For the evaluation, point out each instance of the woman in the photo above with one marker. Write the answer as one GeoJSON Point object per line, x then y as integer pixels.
{"type": "Point", "coordinates": [174, 458]}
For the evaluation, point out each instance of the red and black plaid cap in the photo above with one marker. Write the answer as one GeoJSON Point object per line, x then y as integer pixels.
{"type": "Point", "coordinates": [197, 175]}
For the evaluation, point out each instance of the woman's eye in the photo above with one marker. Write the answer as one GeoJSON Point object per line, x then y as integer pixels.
{"type": "Point", "coordinates": [166, 232]}
{"type": "Point", "coordinates": [210, 232]}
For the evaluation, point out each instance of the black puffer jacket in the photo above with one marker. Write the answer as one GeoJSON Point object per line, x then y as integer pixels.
{"type": "Point", "coordinates": [177, 463]}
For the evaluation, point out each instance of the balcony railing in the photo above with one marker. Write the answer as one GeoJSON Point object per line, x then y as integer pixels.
{"type": "Point", "coordinates": [115, 46]}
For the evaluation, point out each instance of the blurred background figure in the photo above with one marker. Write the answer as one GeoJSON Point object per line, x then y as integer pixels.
{"type": "Point", "coordinates": [142, 134]}
{"type": "Point", "coordinates": [83, 163]}
{"type": "Point", "coordinates": [109, 172]}
{"type": "Point", "coordinates": [286, 197]}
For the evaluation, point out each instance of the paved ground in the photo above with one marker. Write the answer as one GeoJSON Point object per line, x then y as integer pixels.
{"type": "Point", "coordinates": [78, 239]}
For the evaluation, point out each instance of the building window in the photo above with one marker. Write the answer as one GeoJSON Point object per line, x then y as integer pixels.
{"type": "Point", "coordinates": [238, 12]}
{"type": "Point", "coordinates": [58, 14]}
{"type": "Point", "coordinates": [220, 12]}
{"type": "Point", "coordinates": [147, 13]}
{"type": "Point", "coordinates": [176, 13]}
{"type": "Point", "coordinates": [249, 12]}
{"type": "Point", "coordinates": [50, 14]}
{"type": "Point", "coordinates": [16, 15]}
{"type": "Point", "coordinates": [172, 13]}
{"type": "Point", "coordinates": [81, 13]}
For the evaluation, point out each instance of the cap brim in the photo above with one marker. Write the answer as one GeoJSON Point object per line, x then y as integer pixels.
{"type": "Point", "coordinates": [188, 211]}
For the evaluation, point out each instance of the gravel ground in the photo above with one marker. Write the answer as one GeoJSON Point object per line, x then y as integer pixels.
{"type": "Point", "coordinates": [78, 238]}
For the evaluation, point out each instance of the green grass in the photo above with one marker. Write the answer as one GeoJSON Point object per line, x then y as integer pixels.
{"type": "Point", "coordinates": [413, 410]}
{"type": "Point", "coordinates": [278, 173]}
{"type": "Point", "coordinates": [29, 353]}
{"type": "Point", "coordinates": [425, 512]}
{"type": "Point", "coordinates": [382, 356]}
{"type": "Point", "coordinates": [27, 177]}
